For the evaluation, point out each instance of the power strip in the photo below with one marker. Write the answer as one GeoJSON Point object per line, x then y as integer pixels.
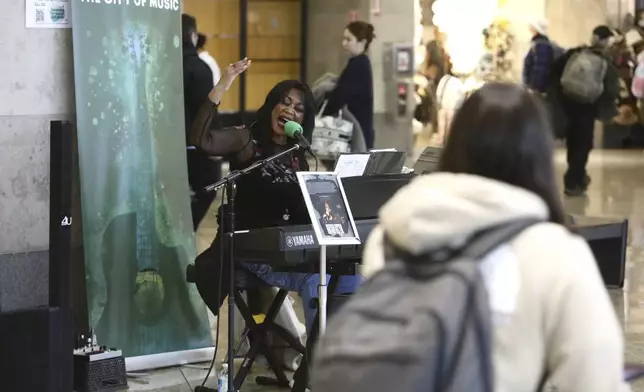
{"type": "Point", "coordinates": [204, 389]}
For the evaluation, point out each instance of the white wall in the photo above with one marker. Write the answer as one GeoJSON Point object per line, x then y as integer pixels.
{"type": "Point", "coordinates": [36, 86]}
{"type": "Point", "coordinates": [520, 13]}
{"type": "Point", "coordinates": [572, 21]}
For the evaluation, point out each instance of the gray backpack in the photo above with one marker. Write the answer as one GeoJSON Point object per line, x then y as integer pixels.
{"type": "Point", "coordinates": [420, 324]}
{"type": "Point", "coordinates": [583, 76]}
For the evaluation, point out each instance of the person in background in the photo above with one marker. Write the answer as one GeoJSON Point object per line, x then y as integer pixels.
{"type": "Point", "coordinates": [536, 65]}
{"type": "Point", "coordinates": [432, 69]}
{"type": "Point", "coordinates": [355, 85]}
{"type": "Point", "coordinates": [197, 84]}
{"type": "Point", "coordinates": [552, 320]}
{"type": "Point", "coordinates": [573, 75]}
{"type": "Point", "coordinates": [436, 63]}
{"type": "Point", "coordinates": [208, 59]}
{"type": "Point", "coordinates": [625, 65]}
{"type": "Point", "coordinates": [450, 95]}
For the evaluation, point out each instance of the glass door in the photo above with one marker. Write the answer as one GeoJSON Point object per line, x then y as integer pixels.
{"type": "Point", "coordinates": [271, 34]}
{"type": "Point", "coordinates": [218, 20]}
{"type": "Point", "coordinates": [274, 44]}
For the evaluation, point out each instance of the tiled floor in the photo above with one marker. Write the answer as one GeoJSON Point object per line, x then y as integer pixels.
{"type": "Point", "coordinates": [617, 189]}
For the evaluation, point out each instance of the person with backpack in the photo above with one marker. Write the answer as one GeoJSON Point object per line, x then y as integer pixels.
{"type": "Point", "coordinates": [474, 282]}
{"type": "Point", "coordinates": [540, 57]}
{"type": "Point", "coordinates": [587, 87]}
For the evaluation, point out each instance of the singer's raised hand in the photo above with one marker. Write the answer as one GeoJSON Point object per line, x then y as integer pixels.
{"type": "Point", "coordinates": [227, 79]}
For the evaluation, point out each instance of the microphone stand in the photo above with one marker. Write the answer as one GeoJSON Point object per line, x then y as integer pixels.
{"type": "Point", "coordinates": [229, 182]}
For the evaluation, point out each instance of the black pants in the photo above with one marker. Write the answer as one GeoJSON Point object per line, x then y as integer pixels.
{"type": "Point", "coordinates": [212, 276]}
{"type": "Point", "coordinates": [202, 171]}
{"type": "Point", "coordinates": [369, 138]}
{"type": "Point", "coordinates": [579, 142]}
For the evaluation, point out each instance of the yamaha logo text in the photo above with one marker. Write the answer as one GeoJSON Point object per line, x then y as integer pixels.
{"type": "Point", "coordinates": [300, 240]}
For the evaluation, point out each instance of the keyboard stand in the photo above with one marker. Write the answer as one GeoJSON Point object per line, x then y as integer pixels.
{"type": "Point", "coordinates": [302, 375]}
{"type": "Point", "coordinates": [259, 333]}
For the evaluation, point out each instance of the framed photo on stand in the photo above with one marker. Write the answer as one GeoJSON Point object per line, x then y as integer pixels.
{"type": "Point", "coordinates": [328, 208]}
{"type": "Point", "coordinates": [332, 222]}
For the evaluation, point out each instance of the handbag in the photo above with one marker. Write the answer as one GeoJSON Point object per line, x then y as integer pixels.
{"type": "Point", "coordinates": [331, 135]}
{"type": "Point", "coordinates": [637, 85]}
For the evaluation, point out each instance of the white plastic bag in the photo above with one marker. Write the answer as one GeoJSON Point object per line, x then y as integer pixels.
{"type": "Point", "coordinates": [331, 136]}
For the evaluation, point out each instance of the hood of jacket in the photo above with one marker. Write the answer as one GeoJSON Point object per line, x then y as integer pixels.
{"type": "Point", "coordinates": [441, 209]}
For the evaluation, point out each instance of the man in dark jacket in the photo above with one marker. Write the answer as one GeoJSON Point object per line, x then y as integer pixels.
{"type": "Point", "coordinates": [537, 63]}
{"type": "Point", "coordinates": [577, 118]}
{"type": "Point", "coordinates": [197, 83]}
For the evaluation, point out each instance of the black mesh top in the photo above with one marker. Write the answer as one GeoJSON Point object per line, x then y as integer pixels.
{"type": "Point", "coordinates": [268, 196]}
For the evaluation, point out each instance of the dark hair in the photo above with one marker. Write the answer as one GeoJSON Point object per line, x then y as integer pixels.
{"type": "Point", "coordinates": [261, 127]}
{"type": "Point", "coordinates": [201, 41]}
{"type": "Point", "coordinates": [363, 31]}
{"type": "Point", "coordinates": [188, 26]}
{"type": "Point", "coordinates": [503, 132]}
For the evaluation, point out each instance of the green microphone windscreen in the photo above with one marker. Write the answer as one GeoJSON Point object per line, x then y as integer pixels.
{"type": "Point", "coordinates": [291, 128]}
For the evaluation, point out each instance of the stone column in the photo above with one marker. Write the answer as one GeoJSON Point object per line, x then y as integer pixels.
{"type": "Point", "coordinates": [37, 84]}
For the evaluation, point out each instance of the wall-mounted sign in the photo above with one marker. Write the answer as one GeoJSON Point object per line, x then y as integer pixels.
{"type": "Point", "coordinates": [53, 14]}
{"type": "Point", "coordinates": [404, 57]}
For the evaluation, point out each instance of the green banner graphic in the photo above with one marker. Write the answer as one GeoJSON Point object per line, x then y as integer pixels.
{"type": "Point", "coordinates": [137, 226]}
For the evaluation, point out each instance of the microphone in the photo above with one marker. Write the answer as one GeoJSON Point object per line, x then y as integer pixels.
{"type": "Point", "coordinates": [295, 131]}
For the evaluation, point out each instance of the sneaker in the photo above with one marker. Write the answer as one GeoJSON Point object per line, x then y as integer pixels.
{"type": "Point", "coordinates": [575, 191]}
{"type": "Point", "coordinates": [587, 181]}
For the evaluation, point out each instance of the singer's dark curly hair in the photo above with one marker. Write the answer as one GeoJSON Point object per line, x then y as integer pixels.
{"type": "Point", "coordinates": [261, 129]}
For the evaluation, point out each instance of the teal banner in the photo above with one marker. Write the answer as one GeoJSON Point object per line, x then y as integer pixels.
{"type": "Point", "coordinates": [137, 227]}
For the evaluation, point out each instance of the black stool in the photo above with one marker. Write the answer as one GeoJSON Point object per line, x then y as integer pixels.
{"type": "Point", "coordinates": [258, 333]}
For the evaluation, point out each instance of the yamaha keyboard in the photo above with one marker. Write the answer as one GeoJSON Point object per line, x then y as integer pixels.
{"type": "Point", "coordinates": [289, 246]}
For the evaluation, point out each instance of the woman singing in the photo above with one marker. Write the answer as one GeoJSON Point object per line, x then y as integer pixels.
{"type": "Point", "coordinates": [266, 197]}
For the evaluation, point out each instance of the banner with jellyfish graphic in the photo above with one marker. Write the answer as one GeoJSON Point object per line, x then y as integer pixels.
{"type": "Point", "coordinates": [137, 226]}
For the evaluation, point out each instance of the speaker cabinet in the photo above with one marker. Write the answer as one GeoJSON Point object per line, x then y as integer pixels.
{"type": "Point", "coordinates": [36, 350]}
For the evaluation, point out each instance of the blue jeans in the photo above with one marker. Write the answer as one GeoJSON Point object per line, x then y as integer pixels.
{"type": "Point", "coordinates": [306, 285]}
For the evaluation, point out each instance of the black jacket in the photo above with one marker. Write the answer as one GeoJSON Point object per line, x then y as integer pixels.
{"type": "Point", "coordinates": [197, 83]}
{"type": "Point", "coordinates": [355, 89]}
{"type": "Point", "coordinates": [604, 109]}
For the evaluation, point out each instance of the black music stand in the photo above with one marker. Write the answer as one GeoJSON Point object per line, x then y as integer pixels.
{"type": "Point", "coordinates": [230, 184]}
{"type": "Point", "coordinates": [428, 160]}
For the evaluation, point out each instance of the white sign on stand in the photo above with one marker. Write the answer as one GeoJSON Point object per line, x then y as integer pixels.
{"type": "Point", "coordinates": [331, 219]}
{"type": "Point", "coordinates": [48, 14]}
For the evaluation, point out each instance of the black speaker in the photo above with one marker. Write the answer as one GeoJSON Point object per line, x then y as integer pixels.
{"type": "Point", "coordinates": [607, 239]}
{"type": "Point", "coordinates": [36, 347]}
{"type": "Point", "coordinates": [66, 259]}
{"type": "Point", "coordinates": [67, 316]}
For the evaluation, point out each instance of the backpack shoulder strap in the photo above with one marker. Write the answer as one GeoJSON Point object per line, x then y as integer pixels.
{"type": "Point", "coordinates": [490, 239]}
{"type": "Point", "coordinates": [475, 248]}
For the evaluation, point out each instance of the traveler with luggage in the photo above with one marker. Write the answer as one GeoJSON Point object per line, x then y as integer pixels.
{"type": "Point", "coordinates": [586, 85]}
{"type": "Point", "coordinates": [474, 282]}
